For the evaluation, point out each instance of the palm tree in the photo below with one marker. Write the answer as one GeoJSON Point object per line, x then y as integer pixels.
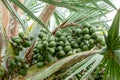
{"type": "Point", "coordinates": [86, 57]}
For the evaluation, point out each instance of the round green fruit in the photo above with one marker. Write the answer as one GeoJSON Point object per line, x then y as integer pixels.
{"type": "Point", "coordinates": [61, 43]}
{"type": "Point", "coordinates": [67, 48]}
{"type": "Point", "coordinates": [21, 35]}
{"type": "Point", "coordinates": [59, 48]}
{"type": "Point", "coordinates": [73, 42]}
{"type": "Point", "coordinates": [91, 41]}
{"type": "Point", "coordinates": [52, 44]}
{"type": "Point", "coordinates": [35, 56]}
{"type": "Point", "coordinates": [44, 38]}
{"type": "Point", "coordinates": [61, 53]}
{"type": "Point", "coordinates": [18, 59]}
{"type": "Point", "coordinates": [23, 72]}
{"type": "Point", "coordinates": [70, 53]}
{"type": "Point", "coordinates": [2, 71]}
{"type": "Point", "coordinates": [16, 39]}
{"type": "Point", "coordinates": [58, 33]}
{"type": "Point", "coordinates": [51, 50]}
{"type": "Point", "coordinates": [40, 64]}
{"type": "Point", "coordinates": [40, 57]}
{"type": "Point", "coordinates": [87, 25]}
{"type": "Point", "coordinates": [67, 43]}
{"type": "Point", "coordinates": [78, 50]}
{"type": "Point", "coordinates": [79, 40]}
{"type": "Point", "coordinates": [26, 44]}
{"type": "Point", "coordinates": [99, 40]}
{"type": "Point", "coordinates": [35, 51]}
{"type": "Point", "coordinates": [85, 31]}
{"type": "Point", "coordinates": [92, 30]}
{"type": "Point", "coordinates": [86, 36]}
{"type": "Point", "coordinates": [49, 57]}
{"type": "Point", "coordinates": [52, 38]}
{"type": "Point", "coordinates": [13, 63]}
{"type": "Point", "coordinates": [94, 36]}
{"type": "Point", "coordinates": [76, 45]}
{"type": "Point", "coordinates": [62, 38]}
{"type": "Point", "coordinates": [39, 47]}
{"type": "Point", "coordinates": [85, 47]}
{"type": "Point", "coordinates": [45, 44]}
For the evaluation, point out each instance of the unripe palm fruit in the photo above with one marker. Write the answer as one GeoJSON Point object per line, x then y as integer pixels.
{"type": "Point", "coordinates": [99, 40]}
{"type": "Point", "coordinates": [70, 53]}
{"type": "Point", "coordinates": [23, 72]}
{"type": "Point", "coordinates": [62, 38]}
{"type": "Point", "coordinates": [13, 63]}
{"type": "Point", "coordinates": [39, 47]}
{"type": "Point", "coordinates": [59, 48]}
{"type": "Point", "coordinates": [45, 38]}
{"type": "Point", "coordinates": [16, 39]}
{"type": "Point", "coordinates": [52, 44]}
{"type": "Point", "coordinates": [76, 45]}
{"type": "Point", "coordinates": [52, 38]}
{"type": "Point", "coordinates": [87, 25]}
{"type": "Point", "coordinates": [91, 41]}
{"type": "Point", "coordinates": [67, 48]}
{"type": "Point", "coordinates": [85, 31]}
{"type": "Point", "coordinates": [61, 43]}
{"type": "Point", "coordinates": [58, 33]}
{"type": "Point", "coordinates": [67, 43]}
{"type": "Point", "coordinates": [18, 59]}
{"type": "Point", "coordinates": [40, 64]}
{"type": "Point", "coordinates": [2, 71]}
{"type": "Point", "coordinates": [94, 36]}
{"type": "Point", "coordinates": [86, 36]}
{"type": "Point", "coordinates": [40, 57]}
{"type": "Point", "coordinates": [85, 47]}
{"type": "Point", "coordinates": [78, 50]}
{"type": "Point", "coordinates": [21, 35]}
{"type": "Point", "coordinates": [51, 50]}
{"type": "Point", "coordinates": [61, 53]}
{"type": "Point", "coordinates": [26, 44]}
{"type": "Point", "coordinates": [92, 30]}
{"type": "Point", "coordinates": [49, 57]}
{"type": "Point", "coordinates": [45, 44]}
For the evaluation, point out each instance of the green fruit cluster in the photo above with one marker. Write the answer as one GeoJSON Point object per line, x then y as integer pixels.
{"type": "Point", "coordinates": [20, 42]}
{"type": "Point", "coordinates": [45, 49]}
{"type": "Point", "coordinates": [49, 47]}
{"type": "Point", "coordinates": [18, 65]}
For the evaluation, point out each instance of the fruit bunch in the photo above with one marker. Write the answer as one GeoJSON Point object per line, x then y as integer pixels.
{"type": "Point", "coordinates": [20, 42]}
{"type": "Point", "coordinates": [44, 50]}
{"type": "Point", "coordinates": [49, 48]}
{"type": "Point", "coordinates": [18, 65]}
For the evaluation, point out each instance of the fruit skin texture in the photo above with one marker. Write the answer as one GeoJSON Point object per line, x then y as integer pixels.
{"type": "Point", "coordinates": [2, 71]}
{"type": "Point", "coordinates": [67, 48]}
{"type": "Point", "coordinates": [21, 35]}
{"type": "Point", "coordinates": [52, 44]}
{"type": "Point", "coordinates": [26, 44]}
{"type": "Point", "coordinates": [85, 31]}
{"type": "Point", "coordinates": [40, 64]}
{"type": "Point", "coordinates": [94, 36]}
{"type": "Point", "coordinates": [86, 37]}
{"type": "Point", "coordinates": [45, 44]}
{"type": "Point", "coordinates": [85, 48]}
{"type": "Point", "coordinates": [91, 41]}
{"type": "Point", "coordinates": [61, 53]}
{"type": "Point", "coordinates": [51, 50]}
